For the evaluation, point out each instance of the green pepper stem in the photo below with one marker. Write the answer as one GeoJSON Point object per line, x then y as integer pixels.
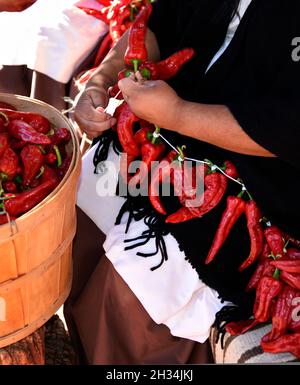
{"type": "Point", "coordinates": [58, 156]}
{"type": "Point", "coordinates": [241, 194]}
{"type": "Point", "coordinates": [7, 198]}
{"type": "Point", "coordinates": [157, 131]}
{"type": "Point", "coordinates": [135, 63]}
{"type": "Point", "coordinates": [276, 274]}
{"type": "Point", "coordinates": [42, 170]}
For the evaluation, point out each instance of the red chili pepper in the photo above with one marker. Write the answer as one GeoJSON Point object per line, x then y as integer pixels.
{"type": "Point", "coordinates": [115, 90]}
{"type": "Point", "coordinates": [290, 266]}
{"type": "Point", "coordinates": [125, 131]}
{"type": "Point", "coordinates": [10, 187]}
{"type": "Point", "coordinates": [48, 174]}
{"type": "Point", "coordinates": [50, 158]}
{"type": "Point", "coordinates": [7, 106]}
{"type": "Point", "coordinates": [294, 321]}
{"type": "Point", "coordinates": [161, 173]}
{"type": "Point", "coordinates": [261, 268]}
{"type": "Point", "coordinates": [23, 131]}
{"type": "Point", "coordinates": [281, 313]}
{"type": "Point", "coordinates": [291, 240]}
{"type": "Point", "coordinates": [61, 136]}
{"type": "Point", "coordinates": [117, 27]}
{"type": "Point", "coordinates": [215, 188]}
{"type": "Point", "coordinates": [17, 144]}
{"type": "Point", "coordinates": [9, 163]}
{"type": "Point", "coordinates": [104, 48]}
{"type": "Point", "coordinates": [125, 162]}
{"type": "Point", "coordinates": [291, 279]}
{"type": "Point", "coordinates": [231, 170]}
{"type": "Point", "coordinates": [275, 240]}
{"type": "Point", "coordinates": [26, 200]}
{"type": "Point", "coordinates": [143, 134]}
{"type": "Point", "coordinates": [168, 68]}
{"type": "Point", "coordinates": [268, 289]}
{"type": "Point", "coordinates": [38, 122]}
{"type": "Point", "coordinates": [253, 215]}
{"type": "Point", "coordinates": [241, 327]}
{"type": "Point", "coordinates": [150, 153]}
{"type": "Point", "coordinates": [293, 254]}
{"type": "Point", "coordinates": [288, 343]}
{"type": "Point", "coordinates": [100, 15]}
{"type": "Point", "coordinates": [4, 143]}
{"type": "Point", "coordinates": [235, 208]}
{"type": "Point", "coordinates": [137, 51]}
{"type": "Point", "coordinates": [62, 170]}
{"type": "Point", "coordinates": [32, 159]}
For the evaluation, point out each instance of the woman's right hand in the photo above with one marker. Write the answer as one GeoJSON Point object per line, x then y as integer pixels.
{"type": "Point", "coordinates": [89, 111]}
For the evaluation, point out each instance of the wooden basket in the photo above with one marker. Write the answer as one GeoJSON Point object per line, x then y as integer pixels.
{"type": "Point", "coordinates": [35, 250]}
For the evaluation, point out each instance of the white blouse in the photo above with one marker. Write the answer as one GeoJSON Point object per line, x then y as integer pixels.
{"type": "Point", "coordinates": [52, 37]}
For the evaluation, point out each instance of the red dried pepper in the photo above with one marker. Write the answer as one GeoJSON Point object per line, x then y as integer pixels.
{"type": "Point", "coordinates": [235, 208]}
{"type": "Point", "coordinates": [293, 254]}
{"type": "Point", "coordinates": [9, 163]}
{"type": "Point", "coordinates": [291, 279]}
{"type": "Point", "coordinates": [256, 233]}
{"type": "Point", "coordinates": [26, 200]}
{"type": "Point", "coordinates": [136, 51]}
{"type": "Point", "coordinates": [23, 131]}
{"type": "Point", "coordinates": [160, 174]}
{"type": "Point", "coordinates": [48, 174]}
{"type": "Point", "coordinates": [268, 289]}
{"type": "Point", "coordinates": [261, 268]}
{"type": "Point", "coordinates": [117, 27]}
{"type": "Point", "coordinates": [168, 68]}
{"type": "Point", "coordinates": [125, 130]}
{"type": "Point", "coordinates": [32, 159]}
{"type": "Point", "coordinates": [10, 187]}
{"type": "Point", "coordinates": [290, 266]}
{"type": "Point", "coordinates": [150, 153]}
{"type": "Point", "coordinates": [292, 240]}
{"type": "Point", "coordinates": [275, 240]}
{"type": "Point", "coordinates": [38, 122]}
{"type": "Point", "coordinates": [63, 169]}
{"type": "Point", "coordinates": [287, 343]}
{"type": "Point", "coordinates": [104, 48]}
{"type": "Point", "coordinates": [215, 188]}
{"type": "Point", "coordinates": [50, 158]}
{"type": "Point", "coordinates": [61, 136]}
{"type": "Point", "coordinates": [241, 327]}
{"type": "Point", "coordinates": [4, 143]}
{"type": "Point", "coordinates": [281, 313]}
{"type": "Point", "coordinates": [143, 135]}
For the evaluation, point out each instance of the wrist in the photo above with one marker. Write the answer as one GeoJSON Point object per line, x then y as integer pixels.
{"type": "Point", "coordinates": [178, 116]}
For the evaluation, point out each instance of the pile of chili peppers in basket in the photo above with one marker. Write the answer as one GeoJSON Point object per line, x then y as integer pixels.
{"type": "Point", "coordinates": [277, 275]}
{"type": "Point", "coordinates": [119, 15]}
{"type": "Point", "coordinates": [33, 160]}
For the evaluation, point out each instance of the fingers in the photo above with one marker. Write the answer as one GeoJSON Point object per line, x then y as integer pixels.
{"type": "Point", "coordinates": [89, 112]}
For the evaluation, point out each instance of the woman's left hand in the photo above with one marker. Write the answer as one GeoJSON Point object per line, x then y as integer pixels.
{"type": "Point", "coordinates": [154, 101]}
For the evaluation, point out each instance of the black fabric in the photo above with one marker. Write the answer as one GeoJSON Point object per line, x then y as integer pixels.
{"type": "Point", "coordinates": [257, 79]}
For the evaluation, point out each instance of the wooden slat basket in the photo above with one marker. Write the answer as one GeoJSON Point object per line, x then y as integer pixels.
{"type": "Point", "coordinates": [35, 249]}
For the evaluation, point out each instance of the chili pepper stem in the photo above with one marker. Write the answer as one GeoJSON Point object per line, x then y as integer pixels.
{"type": "Point", "coordinates": [135, 63]}
{"type": "Point", "coordinates": [42, 170]}
{"type": "Point", "coordinates": [58, 156]}
{"type": "Point", "coordinates": [241, 194]}
{"type": "Point", "coordinates": [155, 134]}
{"type": "Point", "coordinates": [6, 198]}
{"type": "Point", "coordinates": [276, 274]}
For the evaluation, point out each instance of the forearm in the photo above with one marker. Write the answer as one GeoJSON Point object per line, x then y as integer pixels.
{"type": "Point", "coordinates": [216, 125]}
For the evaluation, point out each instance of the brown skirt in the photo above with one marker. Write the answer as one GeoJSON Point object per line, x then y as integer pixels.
{"type": "Point", "coordinates": [107, 323]}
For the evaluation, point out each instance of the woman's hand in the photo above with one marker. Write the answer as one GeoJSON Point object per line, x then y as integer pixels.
{"type": "Point", "coordinates": [154, 101]}
{"type": "Point", "coordinates": [15, 5]}
{"type": "Point", "coordinates": [89, 111]}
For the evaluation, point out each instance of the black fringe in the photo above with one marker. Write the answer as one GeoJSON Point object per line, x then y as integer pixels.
{"type": "Point", "coordinates": [101, 152]}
